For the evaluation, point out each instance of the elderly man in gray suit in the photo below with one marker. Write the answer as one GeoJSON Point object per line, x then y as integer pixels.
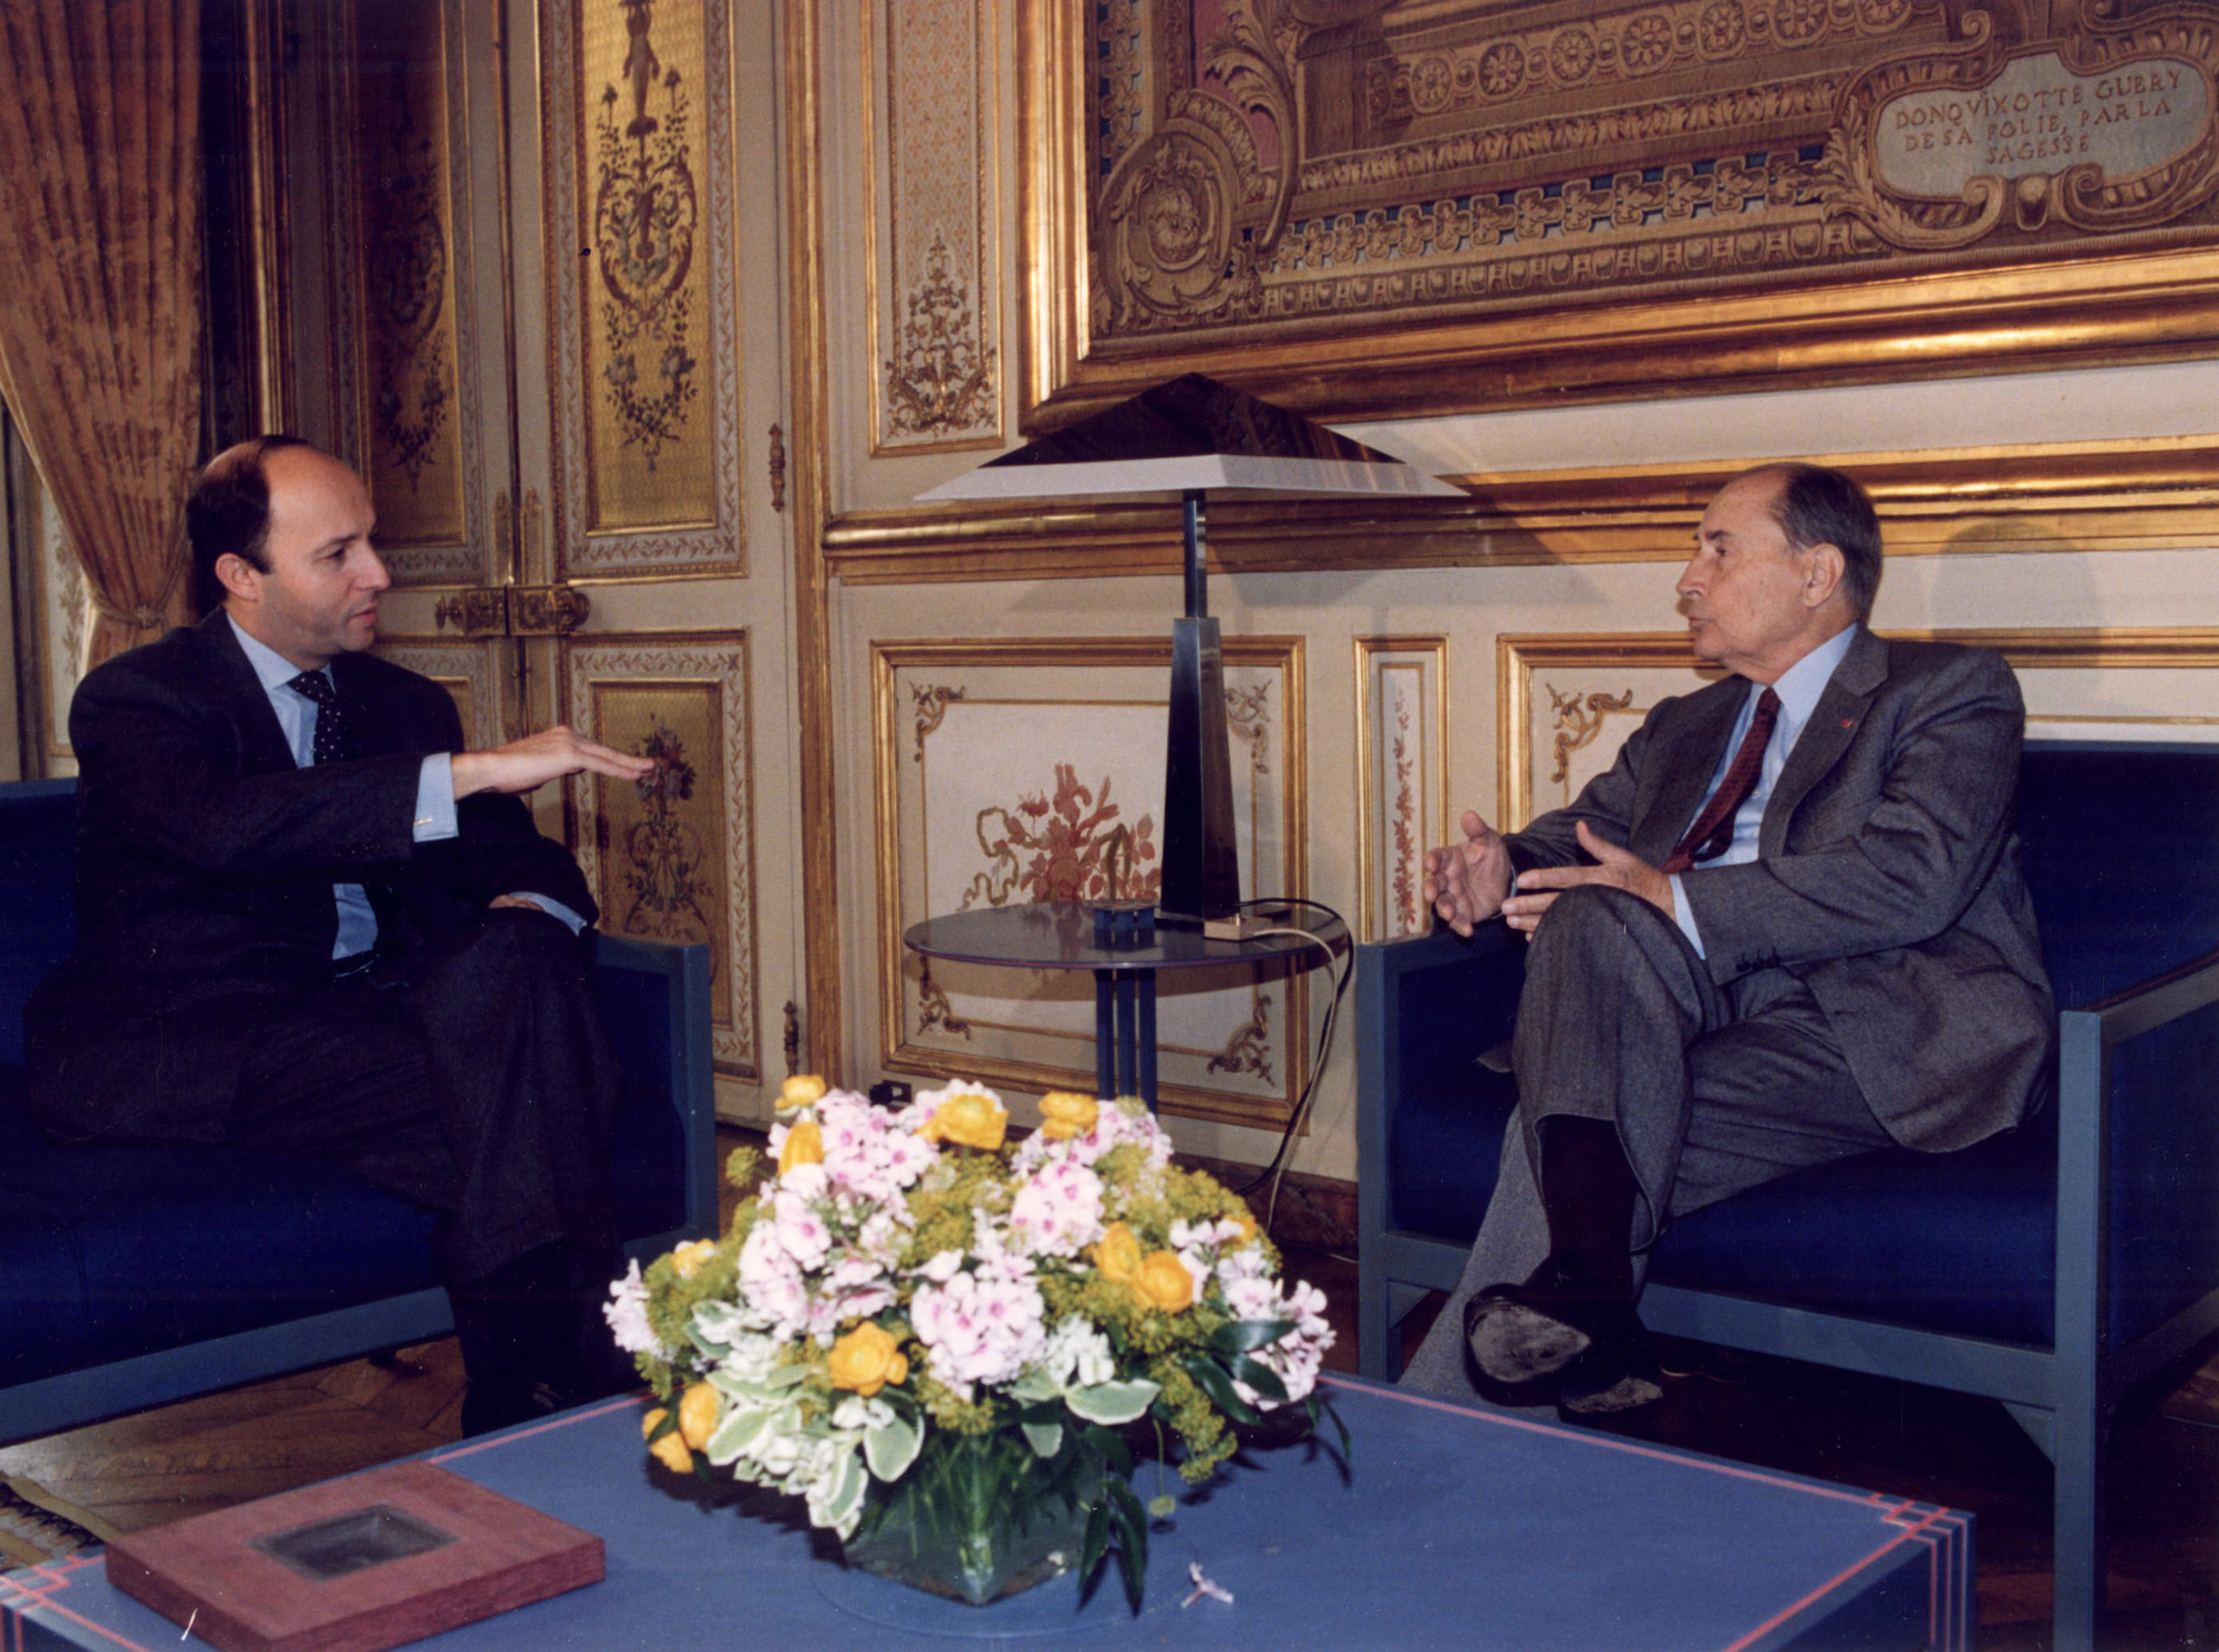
{"type": "Point", "coordinates": [1786, 927]}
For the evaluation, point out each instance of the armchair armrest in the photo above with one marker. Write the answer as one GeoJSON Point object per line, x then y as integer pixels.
{"type": "Point", "coordinates": [656, 999]}
{"type": "Point", "coordinates": [2137, 1128]}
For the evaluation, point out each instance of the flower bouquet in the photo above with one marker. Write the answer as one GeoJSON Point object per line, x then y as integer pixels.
{"type": "Point", "coordinates": [948, 1345]}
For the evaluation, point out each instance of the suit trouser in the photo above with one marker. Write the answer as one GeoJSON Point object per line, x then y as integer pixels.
{"type": "Point", "coordinates": [1714, 1089]}
{"type": "Point", "coordinates": [479, 1083]}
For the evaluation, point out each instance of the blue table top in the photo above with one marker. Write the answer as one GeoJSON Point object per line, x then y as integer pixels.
{"type": "Point", "coordinates": [1452, 1528]}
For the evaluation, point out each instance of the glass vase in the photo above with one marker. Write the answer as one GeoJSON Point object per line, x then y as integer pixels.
{"type": "Point", "coordinates": [978, 1517]}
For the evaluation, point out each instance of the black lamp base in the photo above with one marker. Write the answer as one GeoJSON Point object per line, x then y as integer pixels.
{"type": "Point", "coordinates": [1201, 856]}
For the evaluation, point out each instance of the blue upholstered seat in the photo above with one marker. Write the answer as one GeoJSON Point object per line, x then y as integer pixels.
{"type": "Point", "coordinates": [118, 1263]}
{"type": "Point", "coordinates": [2050, 1277]}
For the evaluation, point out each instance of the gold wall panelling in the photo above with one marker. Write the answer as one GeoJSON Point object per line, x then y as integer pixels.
{"type": "Point", "coordinates": [514, 611]}
{"type": "Point", "coordinates": [643, 338]}
{"type": "Point", "coordinates": [471, 673]}
{"type": "Point", "coordinates": [1637, 667]}
{"type": "Point", "coordinates": [932, 265]}
{"type": "Point", "coordinates": [1443, 210]}
{"type": "Point", "coordinates": [405, 400]}
{"type": "Point", "coordinates": [1005, 769]}
{"type": "Point", "coordinates": [1401, 778]}
{"type": "Point", "coordinates": [2155, 494]}
{"type": "Point", "coordinates": [673, 858]}
{"type": "Point", "coordinates": [809, 422]}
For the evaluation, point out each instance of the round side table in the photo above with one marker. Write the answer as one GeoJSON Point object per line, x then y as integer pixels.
{"type": "Point", "coordinates": [1059, 935]}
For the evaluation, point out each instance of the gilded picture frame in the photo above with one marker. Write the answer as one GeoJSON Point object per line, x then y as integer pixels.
{"type": "Point", "coordinates": [1431, 209]}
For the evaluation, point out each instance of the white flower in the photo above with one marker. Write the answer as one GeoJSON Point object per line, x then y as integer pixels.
{"type": "Point", "coordinates": [1078, 1356]}
{"type": "Point", "coordinates": [978, 1329]}
{"type": "Point", "coordinates": [626, 1313]}
{"type": "Point", "coordinates": [770, 1284]}
{"type": "Point", "coordinates": [1059, 1210]}
{"type": "Point", "coordinates": [943, 1267]}
{"type": "Point", "coordinates": [1296, 1357]}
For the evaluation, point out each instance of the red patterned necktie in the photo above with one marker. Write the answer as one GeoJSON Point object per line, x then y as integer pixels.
{"type": "Point", "coordinates": [1713, 833]}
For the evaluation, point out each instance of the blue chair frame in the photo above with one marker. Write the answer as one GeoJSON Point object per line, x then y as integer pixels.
{"type": "Point", "coordinates": [2063, 1394]}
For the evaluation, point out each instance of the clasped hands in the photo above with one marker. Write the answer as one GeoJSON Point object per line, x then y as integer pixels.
{"type": "Point", "coordinates": [1469, 882]}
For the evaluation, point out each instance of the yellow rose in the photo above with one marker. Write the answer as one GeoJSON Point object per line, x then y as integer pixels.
{"type": "Point", "coordinates": [971, 1119]}
{"type": "Point", "coordinates": [670, 1450]}
{"type": "Point", "coordinates": [802, 1089]}
{"type": "Point", "coordinates": [1165, 1283]}
{"type": "Point", "coordinates": [1118, 1254]}
{"type": "Point", "coordinates": [805, 1144]}
{"type": "Point", "coordinates": [1247, 1229]}
{"type": "Point", "coordinates": [696, 1413]}
{"type": "Point", "coordinates": [867, 1359]}
{"type": "Point", "coordinates": [690, 1256]}
{"type": "Point", "coordinates": [1064, 1114]}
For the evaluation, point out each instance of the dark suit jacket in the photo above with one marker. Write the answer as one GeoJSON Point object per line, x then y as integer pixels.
{"type": "Point", "coordinates": [1888, 877]}
{"type": "Point", "coordinates": [205, 866]}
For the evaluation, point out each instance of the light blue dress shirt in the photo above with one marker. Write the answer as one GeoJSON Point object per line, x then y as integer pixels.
{"type": "Point", "coordinates": [1798, 688]}
{"type": "Point", "coordinates": [435, 812]}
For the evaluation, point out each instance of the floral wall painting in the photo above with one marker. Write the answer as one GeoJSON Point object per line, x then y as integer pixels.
{"type": "Point", "coordinates": [1010, 772]}
{"type": "Point", "coordinates": [1401, 760]}
{"type": "Point", "coordinates": [1254, 173]}
{"type": "Point", "coordinates": [1569, 702]}
{"type": "Point", "coordinates": [644, 341]}
{"type": "Point", "coordinates": [932, 306]}
{"type": "Point", "coordinates": [670, 858]}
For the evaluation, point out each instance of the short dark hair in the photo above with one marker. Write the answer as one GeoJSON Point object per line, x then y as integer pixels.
{"type": "Point", "coordinates": [227, 513]}
{"type": "Point", "coordinates": [1819, 505]}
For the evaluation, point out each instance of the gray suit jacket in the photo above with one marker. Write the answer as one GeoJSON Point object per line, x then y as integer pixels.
{"type": "Point", "coordinates": [1887, 879]}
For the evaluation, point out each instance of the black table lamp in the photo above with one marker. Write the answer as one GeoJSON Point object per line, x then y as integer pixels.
{"type": "Point", "coordinates": [1186, 436]}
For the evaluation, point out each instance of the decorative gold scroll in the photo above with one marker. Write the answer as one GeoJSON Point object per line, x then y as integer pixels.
{"type": "Point", "coordinates": [933, 272]}
{"type": "Point", "coordinates": [672, 858]}
{"type": "Point", "coordinates": [406, 397]}
{"type": "Point", "coordinates": [644, 341]}
{"type": "Point", "coordinates": [1381, 208]}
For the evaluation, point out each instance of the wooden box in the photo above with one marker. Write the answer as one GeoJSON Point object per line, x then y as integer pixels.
{"type": "Point", "coordinates": [354, 1565]}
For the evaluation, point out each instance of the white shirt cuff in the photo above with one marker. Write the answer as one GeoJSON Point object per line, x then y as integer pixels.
{"type": "Point", "coordinates": [435, 818]}
{"type": "Point", "coordinates": [552, 907]}
{"type": "Point", "coordinates": [1683, 915]}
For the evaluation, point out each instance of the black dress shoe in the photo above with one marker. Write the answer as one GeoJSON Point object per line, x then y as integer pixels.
{"type": "Point", "coordinates": [1611, 1379]}
{"type": "Point", "coordinates": [1522, 1333]}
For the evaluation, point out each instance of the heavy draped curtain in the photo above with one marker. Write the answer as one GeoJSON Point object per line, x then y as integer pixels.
{"type": "Point", "coordinates": [99, 284]}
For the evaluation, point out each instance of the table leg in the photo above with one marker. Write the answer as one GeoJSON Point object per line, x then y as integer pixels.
{"type": "Point", "coordinates": [1106, 1034]}
{"type": "Point", "coordinates": [1128, 1034]}
{"type": "Point", "coordinates": [1146, 981]}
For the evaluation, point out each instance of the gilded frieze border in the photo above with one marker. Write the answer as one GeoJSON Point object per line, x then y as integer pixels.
{"type": "Point", "coordinates": [2151, 494]}
{"type": "Point", "coordinates": [2027, 649]}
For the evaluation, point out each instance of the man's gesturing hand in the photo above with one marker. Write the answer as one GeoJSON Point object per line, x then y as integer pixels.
{"type": "Point", "coordinates": [1465, 883]}
{"type": "Point", "coordinates": [533, 761]}
{"type": "Point", "coordinates": [1620, 869]}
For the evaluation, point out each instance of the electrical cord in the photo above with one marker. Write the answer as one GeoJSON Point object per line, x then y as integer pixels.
{"type": "Point", "coordinates": [1275, 1171]}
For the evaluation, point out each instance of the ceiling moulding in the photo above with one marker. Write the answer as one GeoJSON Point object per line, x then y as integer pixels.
{"type": "Point", "coordinates": [1364, 210]}
{"type": "Point", "coordinates": [2146, 495]}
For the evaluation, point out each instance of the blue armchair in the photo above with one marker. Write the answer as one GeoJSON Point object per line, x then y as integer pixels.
{"type": "Point", "coordinates": [131, 1276]}
{"type": "Point", "coordinates": [2053, 1268]}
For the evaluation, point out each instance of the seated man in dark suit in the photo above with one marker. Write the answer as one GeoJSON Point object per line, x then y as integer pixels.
{"type": "Point", "coordinates": [1786, 927]}
{"type": "Point", "coordinates": [310, 923]}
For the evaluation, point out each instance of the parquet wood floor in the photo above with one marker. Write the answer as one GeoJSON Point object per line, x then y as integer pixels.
{"type": "Point", "coordinates": [211, 1453]}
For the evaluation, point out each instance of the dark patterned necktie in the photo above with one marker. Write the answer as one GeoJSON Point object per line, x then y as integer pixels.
{"type": "Point", "coordinates": [334, 741]}
{"type": "Point", "coordinates": [1713, 833]}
